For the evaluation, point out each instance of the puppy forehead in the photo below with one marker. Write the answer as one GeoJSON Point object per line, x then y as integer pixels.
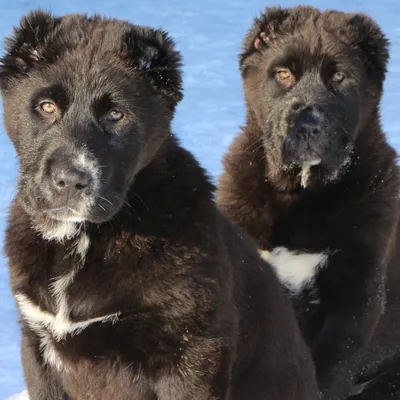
{"type": "Point", "coordinates": [78, 32]}
{"type": "Point", "coordinates": [81, 83]}
{"type": "Point", "coordinates": [83, 50]}
{"type": "Point", "coordinates": [314, 48]}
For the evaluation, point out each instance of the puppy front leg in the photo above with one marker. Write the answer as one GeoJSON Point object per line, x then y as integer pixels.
{"type": "Point", "coordinates": [339, 349]}
{"type": "Point", "coordinates": [41, 381]}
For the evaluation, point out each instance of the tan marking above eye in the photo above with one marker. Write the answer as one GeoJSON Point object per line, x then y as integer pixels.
{"type": "Point", "coordinates": [115, 115]}
{"type": "Point", "coordinates": [48, 107]}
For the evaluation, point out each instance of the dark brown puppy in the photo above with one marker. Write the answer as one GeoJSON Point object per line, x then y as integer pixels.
{"type": "Point", "coordinates": [314, 181]}
{"type": "Point", "coordinates": [129, 283]}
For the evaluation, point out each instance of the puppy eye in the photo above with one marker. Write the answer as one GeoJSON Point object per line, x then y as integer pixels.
{"type": "Point", "coordinates": [285, 77]}
{"type": "Point", "coordinates": [284, 74]}
{"type": "Point", "coordinates": [115, 115]}
{"type": "Point", "coordinates": [337, 77]}
{"type": "Point", "coordinates": [47, 107]}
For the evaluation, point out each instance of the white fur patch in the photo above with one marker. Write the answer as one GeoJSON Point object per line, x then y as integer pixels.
{"type": "Point", "coordinates": [87, 163]}
{"type": "Point", "coordinates": [50, 327]}
{"type": "Point", "coordinates": [306, 171]}
{"type": "Point", "coordinates": [82, 245]}
{"type": "Point", "coordinates": [295, 270]}
{"type": "Point", "coordinates": [57, 230]}
{"type": "Point", "coordinates": [49, 352]}
{"type": "Point", "coordinates": [59, 325]}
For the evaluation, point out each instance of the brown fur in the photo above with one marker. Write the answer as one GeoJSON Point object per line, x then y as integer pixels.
{"type": "Point", "coordinates": [349, 208]}
{"type": "Point", "coordinates": [200, 315]}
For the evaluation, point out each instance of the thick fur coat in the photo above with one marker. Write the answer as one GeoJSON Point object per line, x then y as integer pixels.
{"type": "Point", "coordinates": [129, 282]}
{"type": "Point", "coordinates": [314, 181]}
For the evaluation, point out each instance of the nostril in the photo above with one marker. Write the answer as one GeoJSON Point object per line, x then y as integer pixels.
{"type": "Point", "coordinates": [315, 130]}
{"type": "Point", "coordinates": [70, 180]}
{"type": "Point", "coordinates": [80, 186]}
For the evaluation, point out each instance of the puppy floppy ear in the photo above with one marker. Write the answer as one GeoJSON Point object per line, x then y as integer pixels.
{"type": "Point", "coordinates": [369, 38]}
{"type": "Point", "coordinates": [153, 53]}
{"type": "Point", "coordinates": [274, 22]}
{"type": "Point", "coordinates": [26, 46]}
{"type": "Point", "coordinates": [267, 29]}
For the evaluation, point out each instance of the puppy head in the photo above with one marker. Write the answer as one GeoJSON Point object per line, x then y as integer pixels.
{"type": "Point", "coordinates": [87, 104]}
{"type": "Point", "coordinates": [312, 80]}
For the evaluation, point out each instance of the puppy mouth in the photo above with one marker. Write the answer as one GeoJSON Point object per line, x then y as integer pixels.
{"type": "Point", "coordinates": [66, 214]}
{"type": "Point", "coordinates": [95, 210]}
{"type": "Point", "coordinates": [308, 157]}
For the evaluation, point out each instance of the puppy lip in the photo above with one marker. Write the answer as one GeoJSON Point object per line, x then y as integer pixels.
{"type": "Point", "coordinates": [63, 209]}
{"type": "Point", "coordinates": [309, 158]}
{"type": "Point", "coordinates": [65, 213]}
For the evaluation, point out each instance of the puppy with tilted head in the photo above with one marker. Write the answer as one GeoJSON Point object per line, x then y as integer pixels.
{"type": "Point", "coordinates": [314, 181]}
{"type": "Point", "coordinates": [128, 281]}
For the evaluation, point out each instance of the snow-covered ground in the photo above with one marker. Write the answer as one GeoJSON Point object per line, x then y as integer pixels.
{"type": "Point", "coordinates": [209, 35]}
{"type": "Point", "coordinates": [19, 396]}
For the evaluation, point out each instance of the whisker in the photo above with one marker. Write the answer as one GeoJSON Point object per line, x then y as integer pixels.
{"type": "Point", "coordinates": [128, 205]}
{"type": "Point", "coordinates": [136, 195]}
{"type": "Point", "coordinates": [100, 206]}
{"type": "Point", "coordinates": [108, 201]}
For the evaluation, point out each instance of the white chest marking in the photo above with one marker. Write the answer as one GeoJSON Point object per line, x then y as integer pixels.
{"type": "Point", "coordinates": [81, 246]}
{"type": "Point", "coordinates": [57, 326]}
{"type": "Point", "coordinates": [58, 230]}
{"type": "Point", "coordinates": [295, 270]}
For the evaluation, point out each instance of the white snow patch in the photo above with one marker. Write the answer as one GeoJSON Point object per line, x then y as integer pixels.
{"type": "Point", "coordinates": [20, 396]}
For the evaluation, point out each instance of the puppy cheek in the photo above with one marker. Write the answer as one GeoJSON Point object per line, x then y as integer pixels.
{"type": "Point", "coordinates": [28, 197]}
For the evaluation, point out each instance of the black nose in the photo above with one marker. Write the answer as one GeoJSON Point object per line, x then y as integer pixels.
{"type": "Point", "coordinates": [69, 180]}
{"type": "Point", "coordinates": [307, 124]}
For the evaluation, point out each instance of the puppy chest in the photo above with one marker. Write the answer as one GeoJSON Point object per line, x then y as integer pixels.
{"type": "Point", "coordinates": [54, 327]}
{"type": "Point", "coordinates": [106, 381]}
{"type": "Point", "coordinates": [296, 270]}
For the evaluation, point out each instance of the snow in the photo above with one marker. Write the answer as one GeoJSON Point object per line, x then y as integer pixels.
{"type": "Point", "coordinates": [20, 396]}
{"type": "Point", "coordinates": [209, 35]}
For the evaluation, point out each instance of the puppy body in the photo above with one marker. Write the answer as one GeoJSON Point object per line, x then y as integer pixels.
{"type": "Point", "coordinates": [328, 227]}
{"type": "Point", "coordinates": [129, 283]}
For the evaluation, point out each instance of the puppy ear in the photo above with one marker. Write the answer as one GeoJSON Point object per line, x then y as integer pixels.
{"type": "Point", "coordinates": [267, 28]}
{"type": "Point", "coordinates": [25, 47]}
{"type": "Point", "coordinates": [153, 53]}
{"type": "Point", "coordinates": [265, 31]}
{"type": "Point", "coordinates": [369, 38]}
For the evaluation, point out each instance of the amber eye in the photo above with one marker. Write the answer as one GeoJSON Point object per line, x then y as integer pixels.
{"type": "Point", "coordinates": [115, 115]}
{"type": "Point", "coordinates": [285, 78]}
{"type": "Point", "coordinates": [338, 77]}
{"type": "Point", "coordinates": [48, 107]}
{"type": "Point", "coordinates": [284, 74]}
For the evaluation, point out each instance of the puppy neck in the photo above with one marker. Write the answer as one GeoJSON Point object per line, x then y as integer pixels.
{"type": "Point", "coordinates": [59, 231]}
